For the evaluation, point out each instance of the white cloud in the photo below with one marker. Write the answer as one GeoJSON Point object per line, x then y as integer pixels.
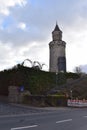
{"type": "Point", "coordinates": [76, 48]}
{"type": "Point", "coordinates": [22, 25]}
{"type": "Point", "coordinates": [6, 55]}
{"type": "Point", "coordinates": [6, 4]}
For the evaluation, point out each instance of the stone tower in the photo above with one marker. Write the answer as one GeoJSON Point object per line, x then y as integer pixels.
{"type": "Point", "coordinates": [57, 52]}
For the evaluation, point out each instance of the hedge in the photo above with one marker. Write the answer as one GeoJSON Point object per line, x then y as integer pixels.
{"type": "Point", "coordinates": [50, 100]}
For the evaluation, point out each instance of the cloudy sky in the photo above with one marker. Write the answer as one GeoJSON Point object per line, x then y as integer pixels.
{"type": "Point", "coordinates": [26, 26]}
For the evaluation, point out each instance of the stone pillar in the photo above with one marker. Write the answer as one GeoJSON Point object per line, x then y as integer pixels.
{"type": "Point", "coordinates": [13, 96]}
{"type": "Point", "coordinates": [16, 95]}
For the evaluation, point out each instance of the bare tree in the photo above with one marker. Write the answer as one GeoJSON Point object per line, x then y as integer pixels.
{"type": "Point", "coordinates": [78, 70]}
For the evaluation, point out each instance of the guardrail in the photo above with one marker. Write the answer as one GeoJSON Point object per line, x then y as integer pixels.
{"type": "Point", "coordinates": [77, 103]}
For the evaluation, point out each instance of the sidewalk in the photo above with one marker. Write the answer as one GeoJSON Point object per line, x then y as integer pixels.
{"type": "Point", "coordinates": [40, 108]}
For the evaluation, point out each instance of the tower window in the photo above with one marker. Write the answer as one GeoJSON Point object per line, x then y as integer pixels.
{"type": "Point", "coordinates": [62, 64]}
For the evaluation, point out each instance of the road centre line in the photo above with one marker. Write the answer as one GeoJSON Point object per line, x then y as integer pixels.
{"type": "Point", "coordinates": [63, 121]}
{"type": "Point", "coordinates": [25, 127]}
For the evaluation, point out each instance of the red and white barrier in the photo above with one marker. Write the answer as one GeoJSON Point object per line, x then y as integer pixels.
{"type": "Point", "coordinates": [77, 103]}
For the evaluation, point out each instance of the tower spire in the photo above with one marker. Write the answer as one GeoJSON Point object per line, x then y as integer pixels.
{"type": "Point", "coordinates": [57, 33]}
{"type": "Point", "coordinates": [57, 27]}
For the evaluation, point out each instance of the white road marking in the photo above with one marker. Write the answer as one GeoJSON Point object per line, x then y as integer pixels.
{"type": "Point", "coordinates": [64, 121]}
{"type": "Point", "coordinates": [25, 127]}
{"type": "Point", "coordinates": [85, 116]}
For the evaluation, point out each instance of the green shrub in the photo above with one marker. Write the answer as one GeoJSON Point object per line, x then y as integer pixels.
{"type": "Point", "coordinates": [56, 100]}
{"type": "Point", "coordinates": [50, 100]}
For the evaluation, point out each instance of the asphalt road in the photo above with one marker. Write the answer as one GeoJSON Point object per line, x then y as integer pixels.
{"type": "Point", "coordinates": [59, 119]}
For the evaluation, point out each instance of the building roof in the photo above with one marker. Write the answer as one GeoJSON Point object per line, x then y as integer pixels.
{"type": "Point", "coordinates": [57, 28]}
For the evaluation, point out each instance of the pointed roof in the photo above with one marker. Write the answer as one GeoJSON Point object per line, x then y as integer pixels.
{"type": "Point", "coordinates": [57, 27]}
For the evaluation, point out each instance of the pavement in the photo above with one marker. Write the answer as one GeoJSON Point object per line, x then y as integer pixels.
{"type": "Point", "coordinates": [10, 109]}
{"type": "Point", "coordinates": [40, 108]}
{"type": "Point", "coordinates": [15, 109]}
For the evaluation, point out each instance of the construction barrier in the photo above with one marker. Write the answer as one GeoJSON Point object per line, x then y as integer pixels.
{"type": "Point", "coordinates": [77, 103]}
